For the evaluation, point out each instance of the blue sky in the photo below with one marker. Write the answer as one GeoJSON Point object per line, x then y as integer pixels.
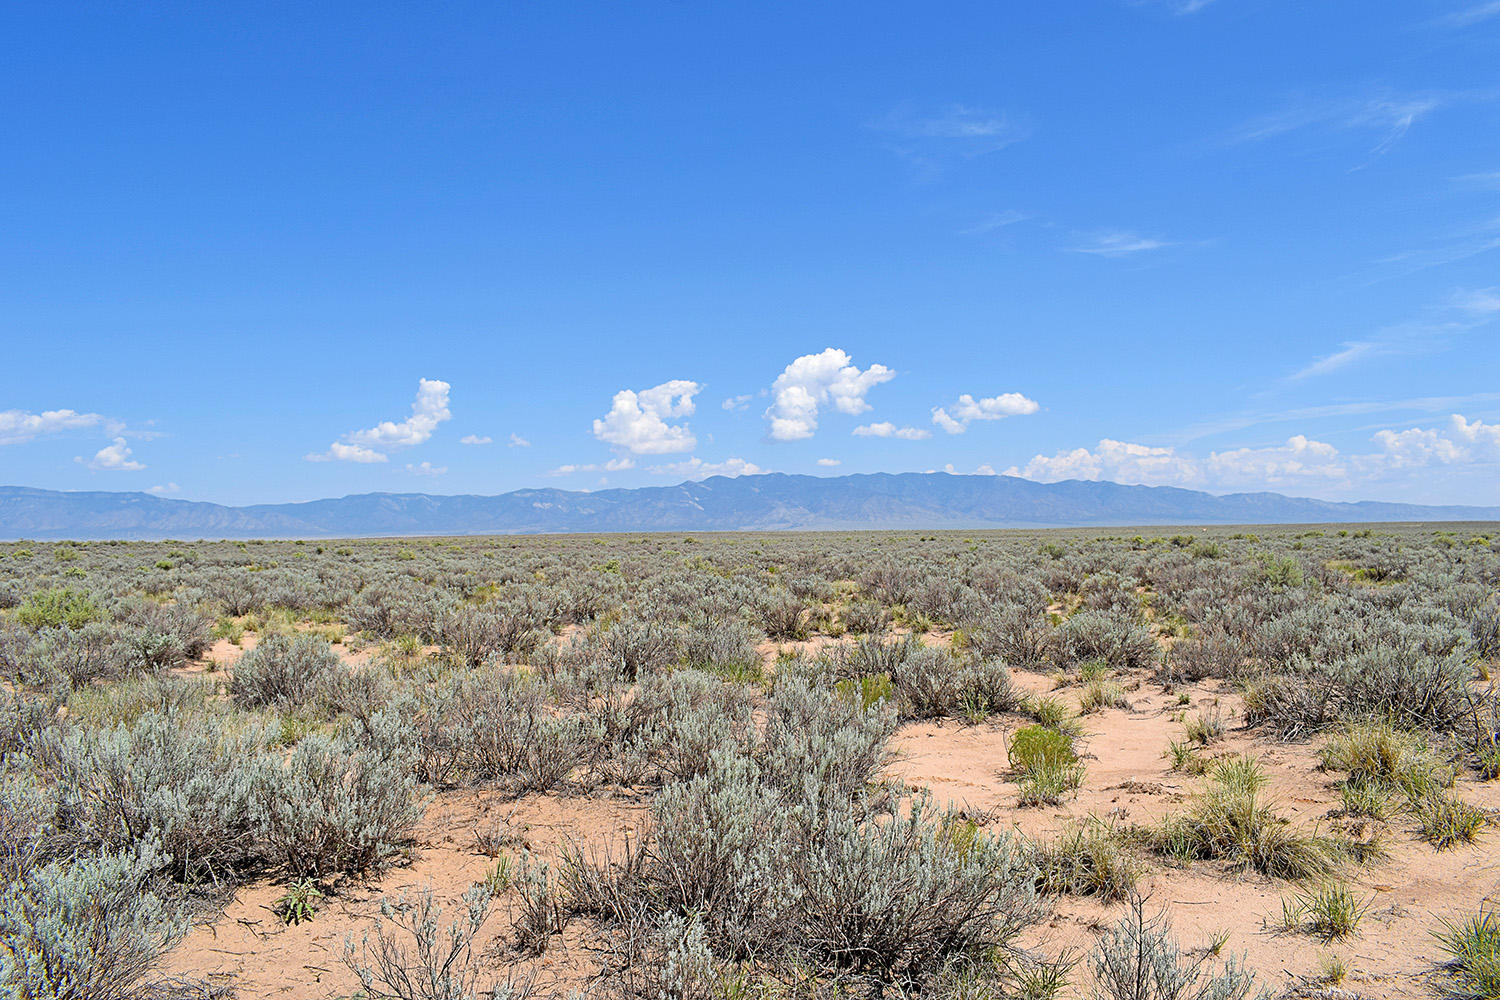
{"type": "Point", "coordinates": [264, 252]}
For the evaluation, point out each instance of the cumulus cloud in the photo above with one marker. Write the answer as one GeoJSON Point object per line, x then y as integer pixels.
{"type": "Point", "coordinates": [428, 410]}
{"type": "Point", "coordinates": [1117, 461]}
{"type": "Point", "coordinates": [886, 429]}
{"type": "Point", "coordinates": [984, 470]}
{"type": "Point", "coordinates": [968, 409]}
{"type": "Point", "coordinates": [517, 441]}
{"type": "Point", "coordinates": [426, 469]}
{"type": "Point", "coordinates": [113, 457]}
{"type": "Point", "coordinates": [341, 452]}
{"type": "Point", "coordinates": [814, 381]}
{"type": "Point", "coordinates": [829, 463]}
{"type": "Point", "coordinates": [696, 468]}
{"type": "Point", "coordinates": [473, 439]}
{"type": "Point", "coordinates": [637, 421]}
{"type": "Point", "coordinates": [1300, 460]}
{"type": "Point", "coordinates": [737, 402]}
{"type": "Point", "coordinates": [613, 465]}
{"type": "Point", "coordinates": [20, 426]}
{"type": "Point", "coordinates": [165, 489]}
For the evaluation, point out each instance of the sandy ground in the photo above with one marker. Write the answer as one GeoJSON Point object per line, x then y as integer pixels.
{"type": "Point", "coordinates": [1128, 781]}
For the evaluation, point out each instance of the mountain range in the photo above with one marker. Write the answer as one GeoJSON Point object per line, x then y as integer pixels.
{"type": "Point", "coordinates": [767, 502]}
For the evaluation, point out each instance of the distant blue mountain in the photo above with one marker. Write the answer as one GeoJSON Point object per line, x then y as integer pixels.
{"type": "Point", "coordinates": [762, 503]}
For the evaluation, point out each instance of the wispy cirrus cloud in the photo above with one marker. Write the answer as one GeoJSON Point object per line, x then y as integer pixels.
{"type": "Point", "coordinates": [1463, 311]}
{"type": "Point", "coordinates": [929, 137]}
{"type": "Point", "coordinates": [1353, 408]}
{"type": "Point", "coordinates": [1383, 115]}
{"type": "Point", "coordinates": [1466, 16]}
{"type": "Point", "coordinates": [1180, 8]}
{"type": "Point", "coordinates": [1118, 243]}
{"type": "Point", "coordinates": [1345, 356]}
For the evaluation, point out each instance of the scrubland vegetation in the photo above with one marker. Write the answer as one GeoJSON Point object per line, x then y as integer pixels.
{"type": "Point", "coordinates": [181, 722]}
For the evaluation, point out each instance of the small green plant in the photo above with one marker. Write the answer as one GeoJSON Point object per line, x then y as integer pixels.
{"type": "Point", "coordinates": [1364, 797]}
{"type": "Point", "coordinates": [1032, 747]}
{"type": "Point", "coordinates": [1238, 775]}
{"type": "Point", "coordinates": [300, 902]}
{"type": "Point", "coordinates": [1331, 968]}
{"type": "Point", "coordinates": [1184, 758]}
{"type": "Point", "coordinates": [1448, 820]}
{"type": "Point", "coordinates": [1050, 712]}
{"type": "Point", "coordinates": [869, 690]}
{"type": "Point", "coordinates": [1086, 860]}
{"type": "Point", "coordinates": [1042, 980]}
{"type": "Point", "coordinates": [1048, 783]}
{"type": "Point", "coordinates": [58, 607]}
{"type": "Point", "coordinates": [1489, 763]}
{"type": "Point", "coordinates": [1329, 910]}
{"type": "Point", "coordinates": [1216, 943]}
{"type": "Point", "coordinates": [1474, 946]}
{"type": "Point", "coordinates": [499, 878]}
{"type": "Point", "coordinates": [1101, 694]}
{"type": "Point", "coordinates": [1230, 822]}
{"type": "Point", "coordinates": [1093, 670]}
{"type": "Point", "coordinates": [1204, 729]}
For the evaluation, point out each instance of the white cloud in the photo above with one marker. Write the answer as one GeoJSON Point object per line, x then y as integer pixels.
{"type": "Point", "coordinates": [426, 469]}
{"type": "Point", "coordinates": [113, 457]}
{"type": "Point", "coordinates": [696, 468]}
{"type": "Point", "coordinates": [1438, 327]}
{"type": "Point", "coordinates": [996, 221]}
{"type": "Point", "coordinates": [473, 439]}
{"type": "Point", "coordinates": [1119, 244]}
{"type": "Point", "coordinates": [1478, 301]}
{"type": "Point", "coordinates": [1347, 355]}
{"type": "Point", "coordinates": [1299, 461]}
{"type": "Point", "coordinates": [517, 441]}
{"type": "Point", "coordinates": [428, 410]}
{"type": "Point", "coordinates": [613, 465]}
{"type": "Point", "coordinates": [340, 452]}
{"type": "Point", "coordinates": [968, 409]}
{"type": "Point", "coordinates": [20, 426]}
{"type": "Point", "coordinates": [886, 429]}
{"type": "Point", "coordinates": [1473, 15]}
{"type": "Point", "coordinates": [983, 470]}
{"type": "Point", "coordinates": [813, 381]}
{"type": "Point", "coordinates": [737, 402]}
{"type": "Point", "coordinates": [1117, 461]}
{"type": "Point", "coordinates": [829, 463]}
{"type": "Point", "coordinates": [164, 490]}
{"type": "Point", "coordinates": [637, 422]}
{"type": "Point", "coordinates": [958, 129]}
{"type": "Point", "coordinates": [1387, 114]}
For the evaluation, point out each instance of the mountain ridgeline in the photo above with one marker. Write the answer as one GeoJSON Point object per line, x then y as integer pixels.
{"type": "Point", "coordinates": [765, 503]}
